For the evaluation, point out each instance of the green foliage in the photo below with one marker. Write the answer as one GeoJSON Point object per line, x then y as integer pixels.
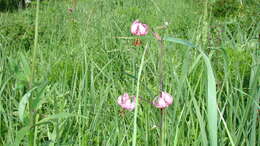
{"type": "Point", "coordinates": [9, 4]}
{"type": "Point", "coordinates": [223, 8]}
{"type": "Point", "coordinates": [19, 32]}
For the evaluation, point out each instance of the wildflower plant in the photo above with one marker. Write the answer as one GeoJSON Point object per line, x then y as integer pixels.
{"type": "Point", "coordinates": [165, 99]}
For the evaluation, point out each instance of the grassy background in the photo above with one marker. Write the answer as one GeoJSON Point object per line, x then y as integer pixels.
{"type": "Point", "coordinates": [82, 67]}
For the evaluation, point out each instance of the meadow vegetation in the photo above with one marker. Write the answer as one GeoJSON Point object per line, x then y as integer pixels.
{"type": "Point", "coordinates": [65, 86]}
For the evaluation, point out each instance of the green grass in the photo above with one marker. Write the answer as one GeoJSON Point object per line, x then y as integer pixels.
{"type": "Point", "coordinates": [82, 66]}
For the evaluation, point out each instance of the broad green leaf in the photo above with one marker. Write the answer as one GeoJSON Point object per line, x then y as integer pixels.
{"type": "Point", "coordinates": [212, 103]}
{"type": "Point", "coordinates": [22, 105]}
{"type": "Point", "coordinates": [179, 41]}
{"type": "Point", "coordinates": [211, 92]}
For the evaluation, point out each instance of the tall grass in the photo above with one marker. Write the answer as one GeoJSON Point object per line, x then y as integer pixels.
{"type": "Point", "coordinates": [84, 63]}
{"type": "Point", "coordinates": [137, 97]}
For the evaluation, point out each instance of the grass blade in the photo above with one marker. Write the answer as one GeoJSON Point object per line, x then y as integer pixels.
{"type": "Point", "coordinates": [226, 127]}
{"type": "Point", "coordinates": [211, 103]}
{"type": "Point", "coordinates": [137, 96]}
{"type": "Point", "coordinates": [20, 135]}
{"type": "Point", "coordinates": [199, 116]}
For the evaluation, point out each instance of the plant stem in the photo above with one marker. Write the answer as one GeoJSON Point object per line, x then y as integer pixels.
{"type": "Point", "coordinates": [205, 25]}
{"type": "Point", "coordinates": [162, 128]}
{"type": "Point", "coordinates": [31, 110]}
{"type": "Point", "coordinates": [161, 85]}
{"type": "Point", "coordinates": [161, 66]}
{"type": "Point", "coordinates": [35, 44]}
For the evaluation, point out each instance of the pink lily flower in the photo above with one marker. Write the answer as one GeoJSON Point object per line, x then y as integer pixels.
{"type": "Point", "coordinates": [125, 101]}
{"type": "Point", "coordinates": [163, 101]}
{"type": "Point", "coordinates": [138, 28]}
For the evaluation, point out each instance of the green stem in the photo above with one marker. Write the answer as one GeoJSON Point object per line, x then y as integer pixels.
{"type": "Point", "coordinates": [162, 128]}
{"type": "Point", "coordinates": [205, 25]}
{"type": "Point", "coordinates": [31, 110]}
{"type": "Point", "coordinates": [161, 84]}
{"type": "Point", "coordinates": [32, 129]}
{"type": "Point", "coordinates": [161, 66]}
{"type": "Point", "coordinates": [35, 44]}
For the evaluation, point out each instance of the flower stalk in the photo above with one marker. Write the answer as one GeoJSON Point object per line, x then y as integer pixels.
{"type": "Point", "coordinates": [161, 85]}
{"type": "Point", "coordinates": [160, 102]}
{"type": "Point", "coordinates": [164, 99]}
{"type": "Point", "coordinates": [160, 60]}
{"type": "Point", "coordinates": [162, 127]}
{"type": "Point", "coordinates": [32, 119]}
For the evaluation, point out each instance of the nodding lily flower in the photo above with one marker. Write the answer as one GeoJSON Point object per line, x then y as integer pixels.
{"type": "Point", "coordinates": [138, 28]}
{"type": "Point", "coordinates": [125, 101]}
{"type": "Point", "coordinates": [163, 101]}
